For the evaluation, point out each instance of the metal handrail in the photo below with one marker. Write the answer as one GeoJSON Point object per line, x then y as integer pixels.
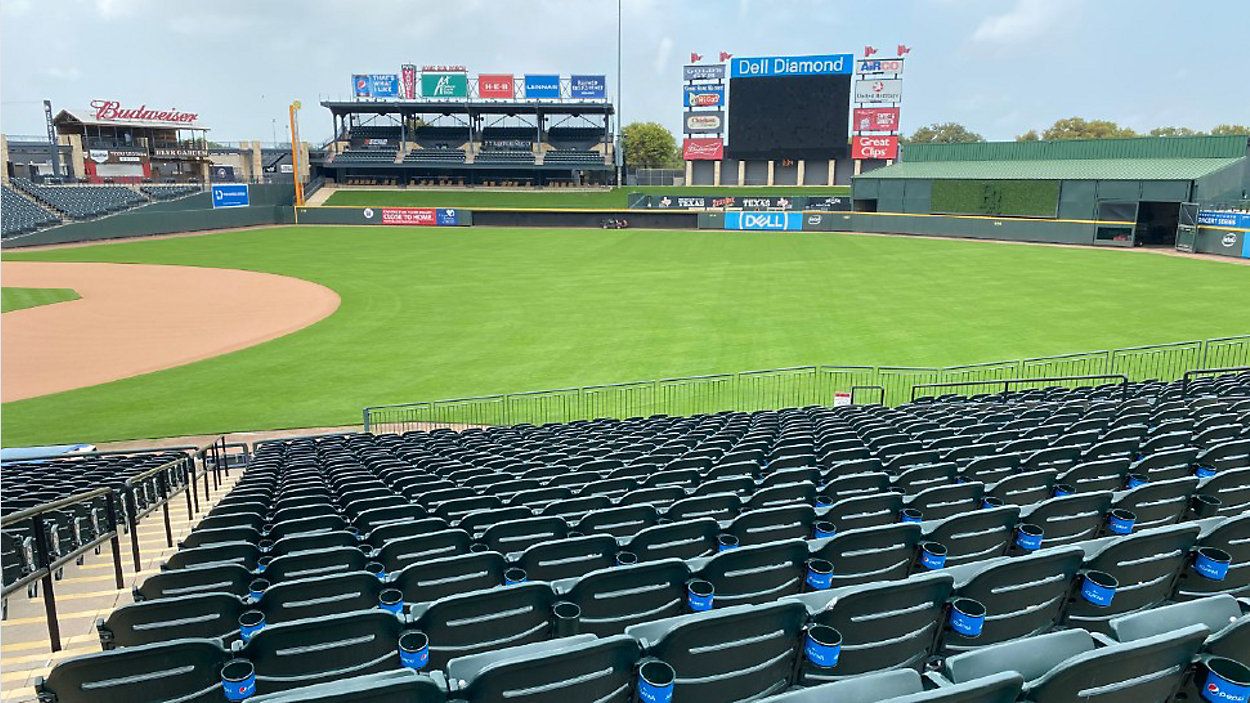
{"type": "Point", "coordinates": [1008, 383]}
{"type": "Point", "coordinates": [1207, 372]}
{"type": "Point", "coordinates": [74, 499]}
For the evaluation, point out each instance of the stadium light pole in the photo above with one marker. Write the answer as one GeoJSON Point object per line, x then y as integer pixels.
{"type": "Point", "coordinates": [620, 142]}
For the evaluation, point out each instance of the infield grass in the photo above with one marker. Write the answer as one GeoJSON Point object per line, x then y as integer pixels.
{"type": "Point", "coordinates": [21, 298]}
{"type": "Point", "coordinates": [440, 313]}
{"type": "Point", "coordinates": [612, 199]}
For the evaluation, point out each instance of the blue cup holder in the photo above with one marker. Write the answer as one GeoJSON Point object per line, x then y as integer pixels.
{"type": "Point", "coordinates": [414, 650]}
{"type": "Point", "coordinates": [251, 622]}
{"type": "Point", "coordinates": [1098, 588]}
{"type": "Point", "coordinates": [513, 576]}
{"type": "Point", "coordinates": [626, 558]}
{"type": "Point", "coordinates": [822, 646]}
{"type": "Point", "coordinates": [263, 563]}
{"type": "Point", "coordinates": [376, 569]}
{"type": "Point", "coordinates": [257, 588]}
{"type": "Point", "coordinates": [1135, 480]}
{"type": "Point", "coordinates": [238, 680]}
{"type": "Point", "coordinates": [1205, 506]}
{"type": "Point", "coordinates": [1121, 521]}
{"type": "Point", "coordinates": [910, 515]}
{"type": "Point", "coordinates": [967, 617]}
{"type": "Point", "coordinates": [1063, 489]}
{"type": "Point", "coordinates": [725, 542]}
{"type": "Point", "coordinates": [1227, 681]}
{"type": "Point", "coordinates": [932, 555]}
{"type": "Point", "coordinates": [1029, 536]}
{"type": "Point", "coordinates": [699, 595]}
{"type": "Point", "coordinates": [823, 501]}
{"type": "Point", "coordinates": [1212, 563]}
{"type": "Point", "coordinates": [1205, 471]}
{"type": "Point", "coordinates": [656, 681]}
{"type": "Point", "coordinates": [822, 529]}
{"type": "Point", "coordinates": [990, 502]}
{"type": "Point", "coordinates": [391, 600]}
{"type": "Point", "coordinates": [819, 574]}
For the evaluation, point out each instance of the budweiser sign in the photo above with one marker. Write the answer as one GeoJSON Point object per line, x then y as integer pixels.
{"type": "Point", "coordinates": [109, 110]}
{"type": "Point", "coordinates": [703, 149]}
{"type": "Point", "coordinates": [874, 147]}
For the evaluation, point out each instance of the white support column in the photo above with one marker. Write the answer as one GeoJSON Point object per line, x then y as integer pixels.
{"type": "Point", "coordinates": [716, 173]}
{"type": "Point", "coordinates": [833, 170]}
{"type": "Point", "coordinates": [801, 172]}
{"type": "Point", "coordinates": [689, 173]}
{"type": "Point", "coordinates": [742, 172]}
{"type": "Point", "coordinates": [859, 164]}
{"type": "Point", "coordinates": [771, 165]}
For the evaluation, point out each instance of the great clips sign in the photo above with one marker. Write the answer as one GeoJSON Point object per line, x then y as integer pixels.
{"type": "Point", "coordinates": [112, 110]}
{"type": "Point", "coordinates": [874, 147]}
{"type": "Point", "coordinates": [777, 66]}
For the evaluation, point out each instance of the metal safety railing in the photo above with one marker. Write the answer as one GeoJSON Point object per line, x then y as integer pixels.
{"type": "Point", "coordinates": [1196, 373]}
{"type": "Point", "coordinates": [794, 386]}
{"type": "Point", "coordinates": [1015, 383]}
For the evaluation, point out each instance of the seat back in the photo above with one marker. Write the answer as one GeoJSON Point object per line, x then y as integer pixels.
{"type": "Point", "coordinates": [362, 642]}
{"type": "Point", "coordinates": [244, 554]}
{"type": "Point", "coordinates": [203, 616]}
{"type": "Point", "coordinates": [1145, 670]}
{"type": "Point", "coordinates": [426, 581]}
{"type": "Point", "coordinates": [1026, 488]}
{"type": "Point", "coordinates": [882, 553]}
{"type": "Point", "coordinates": [621, 521]}
{"type": "Point", "coordinates": [977, 535]}
{"type": "Point", "coordinates": [758, 574]}
{"type": "Point", "coordinates": [518, 535]}
{"type": "Point", "coordinates": [612, 599]}
{"type": "Point", "coordinates": [320, 563]}
{"type": "Point", "coordinates": [486, 620]}
{"type": "Point", "coordinates": [567, 558]}
{"type": "Point", "coordinates": [399, 553]}
{"type": "Point", "coordinates": [402, 686]}
{"type": "Point", "coordinates": [773, 524]}
{"type": "Point", "coordinates": [1233, 536]}
{"type": "Point", "coordinates": [179, 670]}
{"type": "Point", "coordinates": [864, 511]}
{"type": "Point", "coordinates": [318, 596]}
{"type": "Point", "coordinates": [601, 670]}
{"type": "Point", "coordinates": [941, 502]}
{"type": "Point", "coordinates": [1232, 487]}
{"type": "Point", "coordinates": [224, 578]}
{"type": "Point", "coordinates": [679, 540]}
{"type": "Point", "coordinates": [1022, 596]}
{"type": "Point", "coordinates": [1069, 519]}
{"type": "Point", "coordinates": [1158, 503]}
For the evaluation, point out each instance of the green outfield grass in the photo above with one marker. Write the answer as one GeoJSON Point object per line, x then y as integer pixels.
{"type": "Point", "coordinates": [21, 298]}
{"type": "Point", "coordinates": [442, 313]}
{"type": "Point", "coordinates": [614, 198]}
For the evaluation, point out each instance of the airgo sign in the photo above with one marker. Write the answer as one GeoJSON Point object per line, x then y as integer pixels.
{"type": "Point", "coordinates": [775, 66]}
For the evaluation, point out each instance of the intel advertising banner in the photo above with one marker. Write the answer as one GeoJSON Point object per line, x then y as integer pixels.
{"type": "Point", "coordinates": [588, 87]}
{"type": "Point", "coordinates": [765, 221]}
{"type": "Point", "coordinates": [774, 66]}
{"type": "Point", "coordinates": [542, 86]}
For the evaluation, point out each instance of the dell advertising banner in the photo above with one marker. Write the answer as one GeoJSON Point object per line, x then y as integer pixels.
{"type": "Point", "coordinates": [542, 86]}
{"type": "Point", "coordinates": [588, 87]}
{"type": "Point", "coordinates": [764, 221]}
{"type": "Point", "coordinates": [703, 95]}
{"type": "Point", "coordinates": [444, 85]}
{"type": "Point", "coordinates": [774, 66]}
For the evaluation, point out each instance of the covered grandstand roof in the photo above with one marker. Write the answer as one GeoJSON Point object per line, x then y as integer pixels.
{"type": "Point", "coordinates": [1156, 169]}
{"type": "Point", "coordinates": [1200, 147]}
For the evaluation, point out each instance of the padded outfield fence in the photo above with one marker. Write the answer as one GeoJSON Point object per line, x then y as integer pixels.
{"type": "Point", "coordinates": [806, 385]}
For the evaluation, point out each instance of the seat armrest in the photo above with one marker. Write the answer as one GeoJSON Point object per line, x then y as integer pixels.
{"type": "Point", "coordinates": [1102, 640]}
{"type": "Point", "coordinates": [933, 679]}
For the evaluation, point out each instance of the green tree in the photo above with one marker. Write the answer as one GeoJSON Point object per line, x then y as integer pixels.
{"type": "Point", "coordinates": [1174, 132]}
{"type": "Point", "coordinates": [943, 133]}
{"type": "Point", "coordinates": [649, 145]}
{"type": "Point", "coordinates": [1029, 136]}
{"type": "Point", "coordinates": [1080, 128]}
{"type": "Point", "coordinates": [1225, 130]}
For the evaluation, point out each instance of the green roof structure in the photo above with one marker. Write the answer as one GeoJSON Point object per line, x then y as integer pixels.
{"type": "Point", "coordinates": [1145, 169]}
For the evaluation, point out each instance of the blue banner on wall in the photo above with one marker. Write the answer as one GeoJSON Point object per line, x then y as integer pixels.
{"type": "Point", "coordinates": [774, 66]}
{"type": "Point", "coordinates": [770, 221]}
{"type": "Point", "coordinates": [447, 217]}
{"type": "Point", "coordinates": [703, 95]}
{"type": "Point", "coordinates": [230, 195]}
{"type": "Point", "coordinates": [542, 86]}
{"type": "Point", "coordinates": [1224, 218]}
{"type": "Point", "coordinates": [375, 85]}
{"type": "Point", "coordinates": [588, 87]}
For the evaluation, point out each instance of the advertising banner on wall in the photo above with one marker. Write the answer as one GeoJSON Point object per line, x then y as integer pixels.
{"type": "Point", "coordinates": [879, 66]}
{"type": "Point", "coordinates": [700, 72]}
{"type": "Point", "coordinates": [361, 87]}
{"type": "Point", "coordinates": [444, 85]}
{"type": "Point", "coordinates": [878, 90]}
{"type": "Point", "coordinates": [703, 95]}
{"type": "Point", "coordinates": [587, 87]}
{"type": "Point", "coordinates": [707, 122]}
{"type": "Point", "coordinates": [831, 203]}
{"type": "Point", "coordinates": [417, 216]}
{"type": "Point", "coordinates": [1224, 218]}
{"type": "Point", "coordinates": [375, 85]}
{"type": "Point", "coordinates": [765, 221]}
{"type": "Point", "coordinates": [408, 80]}
{"type": "Point", "coordinates": [496, 85]}
{"type": "Point", "coordinates": [773, 66]}
{"type": "Point", "coordinates": [875, 119]}
{"type": "Point", "coordinates": [703, 149]}
{"type": "Point", "coordinates": [542, 86]}
{"type": "Point", "coordinates": [867, 146]}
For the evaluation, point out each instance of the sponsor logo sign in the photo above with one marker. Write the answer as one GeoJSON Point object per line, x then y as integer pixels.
{"type": "Point", "coordinates": [879, 66]}
{"type": "Point", "coordinates": [709, 95]}
{"type": "Point", "coordinates": [705, 122]}
{"type": "Point", "coordinates": [286, 168]}
{"type": "Point", "coordinates": [422, 216]}
{"type": "Point", "coordinates": [700, 72]}
{"type": "Point", "coordinates": [764, 221]}
{"type": "Point", "coordinates": [1228, 240]}
{"type": "Point", "coordinates": [444, 85]}
{"type": "Point", "coordinates": [496, 85]}
{"type": "Point", "coordinates": [110, 110]}
{"type": "Point", "coordinates": [865, 146]}
{"type": "Point", "coordinates": [443, 68]}
{"type": "Point", "coordinates": [703, 149]}
{"type": "Point", "coordinates": [408, 79]}
{"type": "Point", "coordinates": [98, 155]}
{"type": "Point", "coordinates": [373, 141]}
{"type": "Point", "coordinates": [830, 204]}
{"type": "Point", "coordinates": [773, 66]}
{"type": "Point", "coordinates": [447, 217]}
{"type": "Point", "coordinates": [1220, 218]}
{"type": "Point", "coordinates": [875, 119]}
{"type": "Point", "coordinates": [223, 173]}
{"type": "Point", "coordinates": [878, 90]}
{"type": "Point", "coordinates": [588, 87]}
{"type": "Point", "coordinates": [542, 86]}
{"type": "Point", "coordinates": [229, 195]}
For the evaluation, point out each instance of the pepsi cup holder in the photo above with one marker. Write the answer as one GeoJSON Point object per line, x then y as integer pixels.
{"type": "Point", "coordinates": [1225, 681]}
{"type": "Point", "coordinates": [414, 650]}
{"type": "Point", "coordinates": [391, 600]}
{"type": "Point", "coordinates": [725, 542]}
{"type": "Point", "coordinates": [822, 646]}
{"type": "Point", "coordinates": [1205, 506]}
{"type": "Point", "coordinates": [931, 556]}
{"type": "Point", "coordinates": [1063, 489]}
{"type": "Point", "coordinates": [1097, 588]}
{"type": "Point", "coordinates": [1121, 521]}
{"type": "Point", "coordinates": [250, 622]}
{"type": "Point", "coordinates": [626, 558]}
{"type": "Point", "coordinates": [656, 681]}
{"type": "Point", "coordinates": [256, 589]}
{"type": "Point", "coordinates": [990, 502]}
{"type": "Point", "coordinates": [262, 564]}
{"type": "Point", "coordinates": [238, 680]}
{"type": "Point", "coordinates": [819, 575]}
{"type": "Point", "coordinates": [910, 515]}
{"type": "Point", "coordinates": [1211, 563]}
{"type": "Point", "coordinates": [1205, 471]}
{"type": "Point", "coordinates": [699, 595]}
{"type": "Point", "coordinates": [1135, 480]}
{"type": "Point", "coordinates": [823, 501]}
{"type": "Point", "coordinates": [513, 576]}
{"type": "Point", "coordinates": [1028, 538]}
{"type": "Point", "coordinates": [966, 617]}
{"type": "Point", "coordinates": [823, 529]}
{"type": "Point", "coordinates": [376, 569]}
{"type": "Point", "coordinates": [567, 619]}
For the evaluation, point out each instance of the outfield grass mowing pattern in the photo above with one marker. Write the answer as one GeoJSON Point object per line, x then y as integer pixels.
{"type": "Point", "coordinates": [434, 313]}
{"type": "Point", "coordinates": [609, 199]}
{"type": "Point", "coordinates": [21, 298]}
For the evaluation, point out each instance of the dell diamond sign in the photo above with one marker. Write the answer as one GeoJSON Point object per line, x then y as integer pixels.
{"type": "Point", "coordinates": [774, 66]}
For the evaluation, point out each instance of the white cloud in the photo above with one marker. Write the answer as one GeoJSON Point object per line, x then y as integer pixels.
{"type": "Point", "coordinates": [1026, 20]}
{"type": "Point", "coordinates": [69, 73]}
{"type": "Point", "coordinates": [663, 54]}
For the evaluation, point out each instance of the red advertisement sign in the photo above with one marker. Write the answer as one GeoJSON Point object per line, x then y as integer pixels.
{"type": "Point", "coordinates": [703, 149]}
{"type": "Point", "coordinates": [865, 146]}
{"type": "Point", "coordinates": [110, 110]}
{"type": "Point", "coordinates": [408, 81]}
{"type": "Point", "coordinates": [875, 119]}
{"type": "Point", "coordinates": [410, 216]}
{"type": "Point", "coordinates": [495, 85]}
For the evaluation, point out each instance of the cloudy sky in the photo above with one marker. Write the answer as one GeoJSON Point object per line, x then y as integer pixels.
{"type": "Point", "coordinates": [998, 66]}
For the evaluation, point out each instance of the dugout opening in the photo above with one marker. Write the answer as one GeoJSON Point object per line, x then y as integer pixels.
{"type": "Point", "coordinates": [1157, 223]}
